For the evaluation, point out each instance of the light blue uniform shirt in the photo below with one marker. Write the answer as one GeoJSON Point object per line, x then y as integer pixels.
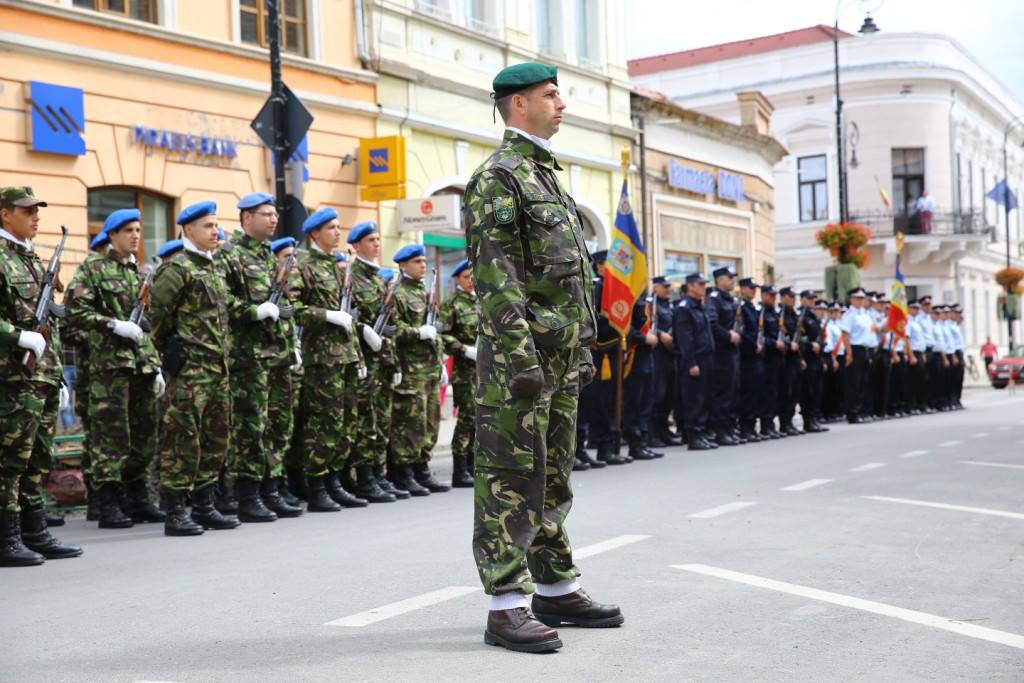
{"type": "Point", "coordinates": [916, 334]}
{"type": "Point", "coordinates": [856, 322]}
{"type": "Point", "coordinates": [927, 328]}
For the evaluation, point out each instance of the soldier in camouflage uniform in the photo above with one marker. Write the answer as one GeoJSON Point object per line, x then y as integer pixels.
{"type": "Point", "coordinates": [259, 360]}
{"type": "Point", "coordinates": [532, 276]}
{"type": "Point", "coordinates": [419, 355]}
{"type": "Point", "coordinates": [369, 290]}
{"type": "Point", "coordinates": [190, 326]}
{"type": "Point", "coordinates": [282, 397]}
{"type": "Point", "coordinates": [124, 375]}
{"type": "Point", "coordinates": [332, 365]}
{"type": "Point", "coordinates": [459, 326]}
{"type": "Point", "coordinates": [29, 398]}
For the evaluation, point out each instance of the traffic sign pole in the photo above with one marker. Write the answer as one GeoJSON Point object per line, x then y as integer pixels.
{"type": "Point", "coordinates": [277, 98]}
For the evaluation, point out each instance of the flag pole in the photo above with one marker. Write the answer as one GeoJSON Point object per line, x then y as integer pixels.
{"type": "Point", "coordinates": [622, 338]}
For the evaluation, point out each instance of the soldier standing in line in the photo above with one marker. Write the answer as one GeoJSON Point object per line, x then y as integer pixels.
{"type": "Point", "coordinates": [664, 369]}
{"type": "Point", "coordinates": [789, 385]}
{"type": "Point", "coordinates": [124, 375]}
{"type": "Point", "coordinates": [332, 365]}
{"type": "Point", "coordinates": [30, 397]}
{"type": "Point", "coordinates": [811, 362]}
{"type": "Point", "coordinates": [637, 383]}
{"type": "Point", "coordinates": [595, 426]}
{"type": "Point", "coordinates": [419, 356]}
{"type": "Point", "coordinates": [259, 361]}
{"type": "Point", "coordinates": [531, 271]}
{"type": "Point", "coordinates": [189, 311]}
{"type": "Point", "coordinates": [695, 346]}
{"type": "Point", "coordinates": [721, 309]}
{"type": "Point", "coordinates": [460, 323]}
{"type": "Point", "coordinates": [774, 359]}
{"type": "Point", "coordinates": [751, 359]}
{"type": "Point", "coordinates": [857, 340]}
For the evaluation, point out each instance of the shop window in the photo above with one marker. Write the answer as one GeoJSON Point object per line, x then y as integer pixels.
{"type": "Point", "coordinates": [907, 176]}
{"type": "Point", "coordinates": [252, 19]}
{"type": "Point", "coordinates": [682, 263]}
{"type": "Point", "coordinates": [142, 10]}
{"type": "Point", "coordinates": [157, 219]}
{"type": "Point", "coordinates": [813, 182]}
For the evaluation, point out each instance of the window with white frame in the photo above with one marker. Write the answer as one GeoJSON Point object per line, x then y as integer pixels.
{"type": "Point", "coordinates": [441, 9]}
{"type": "Point", "coordinates": [481, 15]}
{"type": "Point", "coordinates": [550, 33]}
{"type": "Point", "coordinates": [588, 32]}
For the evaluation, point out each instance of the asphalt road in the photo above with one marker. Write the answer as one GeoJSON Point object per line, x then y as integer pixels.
{"type": "Point", "coordinates": [890, 551]}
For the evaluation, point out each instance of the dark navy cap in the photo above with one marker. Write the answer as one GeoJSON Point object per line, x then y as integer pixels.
{"type": "Point", "coordinates": [409, 251]}
{"type": "Point", "coordinates": [196, 211]}
{"type": "Point", "coordinates": [695, 277]}
{"type": "Point", "coordinates": [318, 219]}
{"type": "Point", "coordinates": [254, 199]}
{"type": "Point", "coordinates": [749, 282]}
{"type": "Point", "coordinates": [787, 291]}
{"type": "Point", "coordinates": [283, 243]}
{"type": "Point", "coordinates": [859, 291]}
{"type": "Point", "coordinates": [118, 219]}
{"type": "Point", "coordinates": [724, 270]}
{"type": "Point", "coordinates": [660, 280]}
{"type": "Point", "coordinates": [807, 294]}
{"type": "Point", "coordinates": [599, 256]}
{"type": "Point", "coordinates": [361, 230]}
{"type": "Point", "coordinates": [170, 248]}
{"type": "Point", "coordinates": [768, 288]}
{"type": "Point", "coordinates": [461, 266]}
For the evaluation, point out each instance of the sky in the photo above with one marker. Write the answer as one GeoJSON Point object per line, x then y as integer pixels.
{"type": "Point", "coordinates": [991, 30]}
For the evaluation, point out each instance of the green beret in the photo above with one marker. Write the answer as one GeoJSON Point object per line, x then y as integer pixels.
{"type": "Point", "coordinates": [517, 77]}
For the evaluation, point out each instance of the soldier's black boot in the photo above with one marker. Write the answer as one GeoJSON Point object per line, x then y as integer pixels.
{"type": "Point", "coordinates": [38, 538]}
{"type": "Point", "coordinates": [111, 515]}
{"type": "Point", "coordinates": [92, 510]}
{"type": "Point", "coordinates": [140, 508]}
{"type": "Point", "coordinates": [369, 489]}
{"type": "Point", "coordinates": [695, 442]}
{"type": "Point", "coordinates": [461, 478]}
{"type": "Point", "coordinates": [250, 506]}
{"type": "Point", "coordinates": [638, 452]}
{"type": "Point", "coordinates": [13, 552]}
{"type": "Point", "coordinates": [342, 494]}
{"type": "Point", "coordinates": [204, 511]}
{"type": "Point", "coordinates": [388, 485]}
{"type": "Point", "coordinates": [671, 439]}
{"type": "Point", "coordinates": [275, 502]}
{"type": "Point", "coordinates": [426, 478]}
{"type": "Point", "coordinates": [318, 500]}
{"type": "Point", "coordinates": [580, 464]}
{"type": "Point", "coordinates": [225, 497]}
{"type": "Point", "coordinates": [607, 455]}
{"type": "Point", "coordinates": [471, 464]}
{"type": "Point", "coordinates": [54, 519]}
{"type": "Point", "coordinates": [178, 522]}
{"type": "Point", "coordinates": [286, 493]}
{"type": "Point", "coordinates": [296, 479]}
{"type": "Point", "coordinates": [723, 437]}
{"type": "Point", "coordinates": [403, 478]}
{"type": "Point", "coordinates": [583, 456]}
{"type": "Point", "coordinates": [787, 427]}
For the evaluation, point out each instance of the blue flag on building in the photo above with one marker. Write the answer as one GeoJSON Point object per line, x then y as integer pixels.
{"type": "Point", "coordinates": [1003, 195]}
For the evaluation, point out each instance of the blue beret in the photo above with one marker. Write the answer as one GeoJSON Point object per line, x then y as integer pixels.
{"type": "Point", "coordinates": [318, 219]}
{"type": "Point", "coordinates": [169, 248]}
{"type": "Point", "coordinates": [409, 251]}
{"type": "Point", "coordinates": [100, 240]}
{"type": "Point", "coordinates": [220, 234]}
{"type": "Point", "coordinates": [339, 257]}
{"type": "Point", "coordinates": [361, 230]}
{"type": "Point", "coordinates": [196, 211]}
{"type": "Point", "coordinates": [254, 199]}
{"type": "Point", "coordinates": [386, 274]}
{"type": "Point", "coordinates": [117, 219]}
{"type": "Point", "coordinates": [283, 243]}
{"type": "Point", "coordinates": [462, 265]}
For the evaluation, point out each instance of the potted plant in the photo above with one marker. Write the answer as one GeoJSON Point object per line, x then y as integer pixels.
{"type": "Point", "coordinates": [848, 244]}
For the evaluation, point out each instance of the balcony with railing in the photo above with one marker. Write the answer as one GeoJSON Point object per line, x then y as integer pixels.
{"type": "Point", "coordinates": [937, 236]}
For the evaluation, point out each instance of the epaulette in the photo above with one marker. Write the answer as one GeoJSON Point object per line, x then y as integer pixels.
{"type": "Point", "coordinates": [714, 293]}
{"type": "Point", "coordinates": [757, 307]}
{"type": "Point", "coordinates": [682, 304]}
{"type": "Point", "coordinates": [510, 162]}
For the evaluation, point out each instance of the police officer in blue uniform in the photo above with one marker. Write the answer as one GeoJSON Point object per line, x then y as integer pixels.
{"type": "Point", "coordinates": [721, 310]}
{"type": "Point", "coordinates": [811, 374]}
{"type": "Point", "coordinates": [664, 388]}
{"type": "Point", "coordinates": [774, 357]}
{"type": "Point", "coordinates": [789, 385]}
{"type": "Point", "coordinates": [694, 348]}
{"type": "Point", "coordinates": [751, 359]}
{"type": "Point", "coordinates": [637, 396]}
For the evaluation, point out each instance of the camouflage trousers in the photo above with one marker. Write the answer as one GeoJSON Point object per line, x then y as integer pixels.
{"type": "Point", "coordinates": [409, 422]}
{"type": "Point", "coordinates": [121, 426]}
{"type": "Point", "coordinates": [28, 415]}
{"type": "Point", "coordinates": [261, 398]}
{"type": "Point", "coordinates": [196, 429]}
{"type": "Point", "coordinates": [373, 420]}
{"type": "Point", "coordinates": [522, 493]}
{"type": "Point", "coordinates": [80, 397]}
{"type": "Point", "coordinates": [464, 400]}
{"type": "Point", "coordinates": [329, 401]}
{"type": "Point", "coordinates": [295, 458]}
{"type": "Point", "coordinates": [280, 419]}
{"type": "Point", "coordinates": [432, 399]}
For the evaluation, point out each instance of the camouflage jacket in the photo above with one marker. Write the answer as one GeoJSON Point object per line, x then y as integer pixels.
{"type": "Point", "coordinates": [460, 323]}
{"type": "Point", "coordinates": [250, 269]}
{"type": "Point", "coordinates": [21, 278]}
{"type": "Point", "coordinates": [368, 293]}
{"type": "Point", "coordinates": [316, 287]}
{"type": "Point", "coordinates": [104, 289]}
{"type": "Point", "coordinates": [418, 359]}
{"type": "Point", "coordinates": [531, 268]}
{"type": "Point", "coordinates": [190, 299]}
{"type": "Point", "coordinates": [72, 336]}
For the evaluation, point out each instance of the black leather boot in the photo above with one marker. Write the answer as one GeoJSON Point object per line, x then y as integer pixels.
{"type": "Point", "coordinates": [723, 437]}
{"type": "Point", "coordinates": [368, 489]}
{"type": "Point", "coordinates": [343, 496]}
{"type": "Point", "coordinates": [54, 519]}
{"type": "Point", "coordinates": [250, 506]}
{"type": "Point", "coordinates": [225, 496]}
{"type": "Point", "coordinates": [318, 500]}
{"type": "Point", "coordinates": [788, 428]}
{"type": "Point", "coordinates": [92, 501]}
{"type": "Point", "coordinates": [579, 465]}
{"type": "Point", "coordinates": [275, 502]}
{"type": "Point", "coordinates": [638, 452]}
{"type": "Point", "coordinates": [38, 538]}
{"type": "Point", "coordinates": [13, 552]}
{"type": "Point", "coordinates": [178, 522]}
{"type": "Point", "coordinates": [286, 493]}
{"type": "Point", "coordinates": [111, 515]}
{"type": "Point", "coordinates": [388, 485]}
{"type": "Point", "coordinates": [607, 455]}
{"type": "Point", "coordinates": [583, 456]}
{"type": "Point", "coordinates": [670, 439]}
{"type": "Point", "coordinates": [140, 508]}
{"type": "Point", "coordinates": [461, 478]}
{"type": "Point", "coordinates": [403, 478]}
{"type": "Point", "coordinates": [695, 442]}
{"type": "Point", "coordinates": [426, 478]}
{"type": "Point", "coordinates": [204, 511]}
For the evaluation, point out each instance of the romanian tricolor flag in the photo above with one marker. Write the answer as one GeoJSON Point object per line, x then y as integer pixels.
{"type": "Point", "coordinates": [625, 276]}
{"type": "Point", "coordinates": [898, 310]}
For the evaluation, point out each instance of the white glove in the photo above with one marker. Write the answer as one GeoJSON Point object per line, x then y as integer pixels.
{"type": "Point", "coordinates": [33, 341]}
{"type": "Point", "coordinates": [444, 375]}
{"type": "Point", "coordinates": [340, 318]}
{"type": "Point", "coordinates": [428, 332]}
{"type": "Point", "coordinates": [267, 310]}
{"type": "Point", "coordinates": [361, 373]}
{"type": "Point", "coordinates": [469, 352]}
{"type": "Point", "coordinates": [65, 398]}
{"type": "Point", "coordinates": [159, 384]}
{"type": "Point", "coordinates": [128, 330]}
{"type": "Point", "coordinates": [396, 379]}
{"type": "Point", "coordinates": [372, 338]}
{"type": "Point", "coordinates": [298, 360]}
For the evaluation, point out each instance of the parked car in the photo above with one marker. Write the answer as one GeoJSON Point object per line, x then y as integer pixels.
{"type": "Point", "coordinates": [1000, 371]}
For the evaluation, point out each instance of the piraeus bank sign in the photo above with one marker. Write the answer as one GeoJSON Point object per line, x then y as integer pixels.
{"type": "Point", "coordinates": [185, 143]}
{"type": "Point", "coordinates": [724, 184]}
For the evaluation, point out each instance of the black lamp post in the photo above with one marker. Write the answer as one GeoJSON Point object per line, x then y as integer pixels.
{"type": "Point", "coordinates": [1006, 208]}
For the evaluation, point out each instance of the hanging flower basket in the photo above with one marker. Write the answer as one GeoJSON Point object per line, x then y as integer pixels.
{"type": "Point", "coordinates": [847, 242]}
{"type": "Point", "coordinates": [1009, 279]}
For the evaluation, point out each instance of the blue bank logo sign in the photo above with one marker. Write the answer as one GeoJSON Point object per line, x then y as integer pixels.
{"type": "Point", "coordinates": [725, 185]}
{"type": "Point", "coordinates": [379, 160]}
{"type": "Point", "coordinates": [57, 118]}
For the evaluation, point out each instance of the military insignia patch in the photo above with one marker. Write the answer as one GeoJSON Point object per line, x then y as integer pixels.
{"type": "Point", "coordinates": [504, 208]}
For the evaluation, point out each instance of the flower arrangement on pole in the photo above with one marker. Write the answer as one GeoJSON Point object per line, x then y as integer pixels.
{"type": "Point", "coordinates": [848, 244]}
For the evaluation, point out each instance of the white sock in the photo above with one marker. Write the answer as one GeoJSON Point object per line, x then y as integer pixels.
{"type": "Point", "coordinates": [509, 601]}
{"type": "Point", "coordinates": [554, 590]}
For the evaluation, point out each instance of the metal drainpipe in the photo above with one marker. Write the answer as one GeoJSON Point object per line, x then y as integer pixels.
{"type": "Point", "coordinates": [364, 55]}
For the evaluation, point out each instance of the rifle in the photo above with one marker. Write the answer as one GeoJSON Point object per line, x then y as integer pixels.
{"type": "Point", "coordinates": [737, 324]}
{"type": "Point", "coordinates": [385, 310]}
{"type": "Point", "coordinates": [652, 315]}
{"type": "Point", "coordinates": [432, 304]}
{"type": "Point", "coordinates": [346, 293]}
{"type": "Point", "coordinates": [45, 306]}
{"type": "Point", "coordinates": [280, 284]}
{"type": "Point", "coordinates": [760, 329]}
{"type": "Point", "coordinates": [142, 302]}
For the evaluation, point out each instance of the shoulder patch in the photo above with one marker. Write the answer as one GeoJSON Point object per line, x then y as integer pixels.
{"type": "Point", "coordinates": [714, 293]}
{"type": "Point", "coordinates": [682, 304]}
{"type": "Point", "coordinates": [504, 208]}
{"type": "Point", "coordinates": [510, 162]}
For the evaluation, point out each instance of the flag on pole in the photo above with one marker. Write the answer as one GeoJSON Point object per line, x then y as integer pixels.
{"type": "Point", "coordinates": [1003, 195]}
{"type": "Point", "coordinates": [625, 276]}
{"type": "Point", "coordinates": [885, 195]}
{"type": "Point", "coordinates": [899, 312]}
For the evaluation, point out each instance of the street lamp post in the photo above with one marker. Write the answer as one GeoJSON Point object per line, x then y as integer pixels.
{"type": "Point", "coordinates": [1006, 208]}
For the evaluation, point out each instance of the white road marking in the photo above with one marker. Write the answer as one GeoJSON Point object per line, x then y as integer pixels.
{"type": "Point", "coordinates": [721, 510]}
{"type": "Point", "coordinates": [979, 435]}
{"type": "Point", "coordinates": [412, 604]}
{"type": "Point", "coordinates": [945, 506]}
{"type": "Point", "coordinates": [867, 467]}
{"type": "Point", "coordinates": [992, 464]}
{"type": "Point", "coordinates": [804, 485]}
{"type": "Point", "coordinates": [914, 454]}
{"type": "Point", "coordinates": [908, 615]}
{"type": "Point", "coordinates": [950, 444]}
